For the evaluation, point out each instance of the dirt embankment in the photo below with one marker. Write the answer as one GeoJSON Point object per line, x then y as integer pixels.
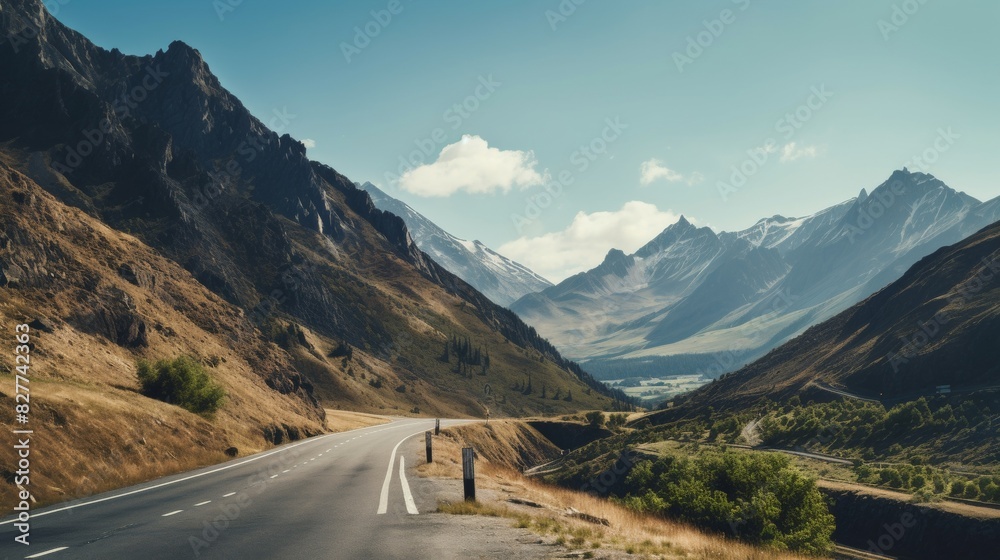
{"type": "Point", "coordinates": [880, 523]}
{"type": "Point", "coordinates": [568, 435]}
{"type": "Point", "coordinates": [505, 443]}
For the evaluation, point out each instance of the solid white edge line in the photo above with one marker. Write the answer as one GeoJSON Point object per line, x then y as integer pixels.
{"type": "Point", "coordinates": [383, 499]}
{"type": "Point", "coordinates": [411, 508]}
{"type": "Point", "coordinates": [161, 485]}
{"type": "Point", "coordinates": [171, 513]}
{"type": "Point", "coordinates": [40, 554]}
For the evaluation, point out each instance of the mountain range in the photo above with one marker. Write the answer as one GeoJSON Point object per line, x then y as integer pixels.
{"type": "Point", "coordinates": [935, 326]}
{"type": "Point", "coordinates": [497, 277]}
{"type": "Point", "coordinates": [695, 299]}
{"type": "Point", "coordinates": [148, 215]}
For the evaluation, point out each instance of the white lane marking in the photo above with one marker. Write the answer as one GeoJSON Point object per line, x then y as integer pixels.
{"type": "Point", "coordinates": [411, 507]}
{"type": "Point", "coordinates": [274, 476]}
{"type": "Point", "coordinates": [185, 479]}
{"type": "Point", "coordinates": [171, 513]}
{"type": "Point", "coordinates": [203, 503]}
{"type": "Point", "coordinates": [40, 554]}
{"type": "Point", "coordinates": [168, 483]}
{"type": "Point", "coordinates": [229, 494]}
{"type": "Point", "coordinates": [286, 470]}
{"type": "Point", "coordinates": [383, 500]}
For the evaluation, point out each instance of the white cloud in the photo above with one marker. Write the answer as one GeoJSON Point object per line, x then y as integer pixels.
{"type": "Point", "coordinates": [308, 142]}
{"type": "Point", "coordinates": [792, 152]}
{"type": "Point", "coordinates": [585, 242]}
{"type": "Point", "coordinates": [473, 166]}
{"type": "Point", "coordinates": [653, 169]}
{"type": "Point", "coordinates": [695, 178]}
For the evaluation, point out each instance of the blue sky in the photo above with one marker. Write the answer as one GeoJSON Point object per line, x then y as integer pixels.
{"type": "Point", "coordinates": [582, 127]}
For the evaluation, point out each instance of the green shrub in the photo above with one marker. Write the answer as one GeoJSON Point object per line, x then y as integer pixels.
{"type": "Point", "coordinates": [183, 382]}
{"type": "Point", "coordinates": [616, 421]}
{"type": "Point", "coordinates": [595, 418]}
{"type": "Point", "coordinates": [760, 498]}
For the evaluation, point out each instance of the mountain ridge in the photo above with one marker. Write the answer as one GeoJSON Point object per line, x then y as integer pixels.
{"type": "Point", "coordinates": [499, 278]}
{"type": "Point", "coordinates": [288, 283]}
{"type": "Point", "coordinates": [821, 264]}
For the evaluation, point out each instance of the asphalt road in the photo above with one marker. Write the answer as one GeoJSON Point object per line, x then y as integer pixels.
{"type": "Point", "coordinates": [340, 495]}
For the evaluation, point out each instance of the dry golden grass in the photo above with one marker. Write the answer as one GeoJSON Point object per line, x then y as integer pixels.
{"type": "Point", "coordinates": [343, 420]}
{"type": "Point", "coordinates": [93, 431]}
{"type": "Point", "coordinates": [629, 533]}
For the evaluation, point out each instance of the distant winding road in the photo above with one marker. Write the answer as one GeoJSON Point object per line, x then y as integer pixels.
{"type": "Point", "coordinates": [344, 495]}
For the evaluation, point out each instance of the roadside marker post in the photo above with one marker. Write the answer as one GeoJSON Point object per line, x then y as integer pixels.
{"type": "Point", "coordinates": [427, 439]}
{"type": "Point", "coordinates": [469, 473]}
{"type": "Point", "coordinates": [437, 426]}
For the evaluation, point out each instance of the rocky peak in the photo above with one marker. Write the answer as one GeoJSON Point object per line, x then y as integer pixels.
{"type": "Point", "coordinates": [681, 229]}
{"type": "Point", "coordinates": [615, 262]}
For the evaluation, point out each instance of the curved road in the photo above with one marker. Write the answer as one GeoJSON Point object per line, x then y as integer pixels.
{"type": "Point", "coordinates": [344, 495]}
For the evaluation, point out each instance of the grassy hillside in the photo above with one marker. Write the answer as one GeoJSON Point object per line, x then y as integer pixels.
{"type": "Point", "coordinates": [104, 300]}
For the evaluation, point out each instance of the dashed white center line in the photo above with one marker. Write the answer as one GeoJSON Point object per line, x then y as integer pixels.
{"type": "Point", "coordinates": [171, 513]}
{"type": "Point", "coordinates": [286, 470]}
{"type": "Point", "coordinates": [203, 503]}
{"type": "Point", "coordinates": [229, 494]}
{"type": "Point", "coordinates": [40, 554]}
{"type": "Point", "coordinates": [274, 476]}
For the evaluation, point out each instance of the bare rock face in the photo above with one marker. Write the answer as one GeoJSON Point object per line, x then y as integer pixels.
{"type": "Point", "coordinates": [10, 274]}
{"type": "Point", "coordinates": [42, 324]}
{"type": "Point", "coordinates": [112, 314]}
{"type": "Point", "coordinates": [137, 275]}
